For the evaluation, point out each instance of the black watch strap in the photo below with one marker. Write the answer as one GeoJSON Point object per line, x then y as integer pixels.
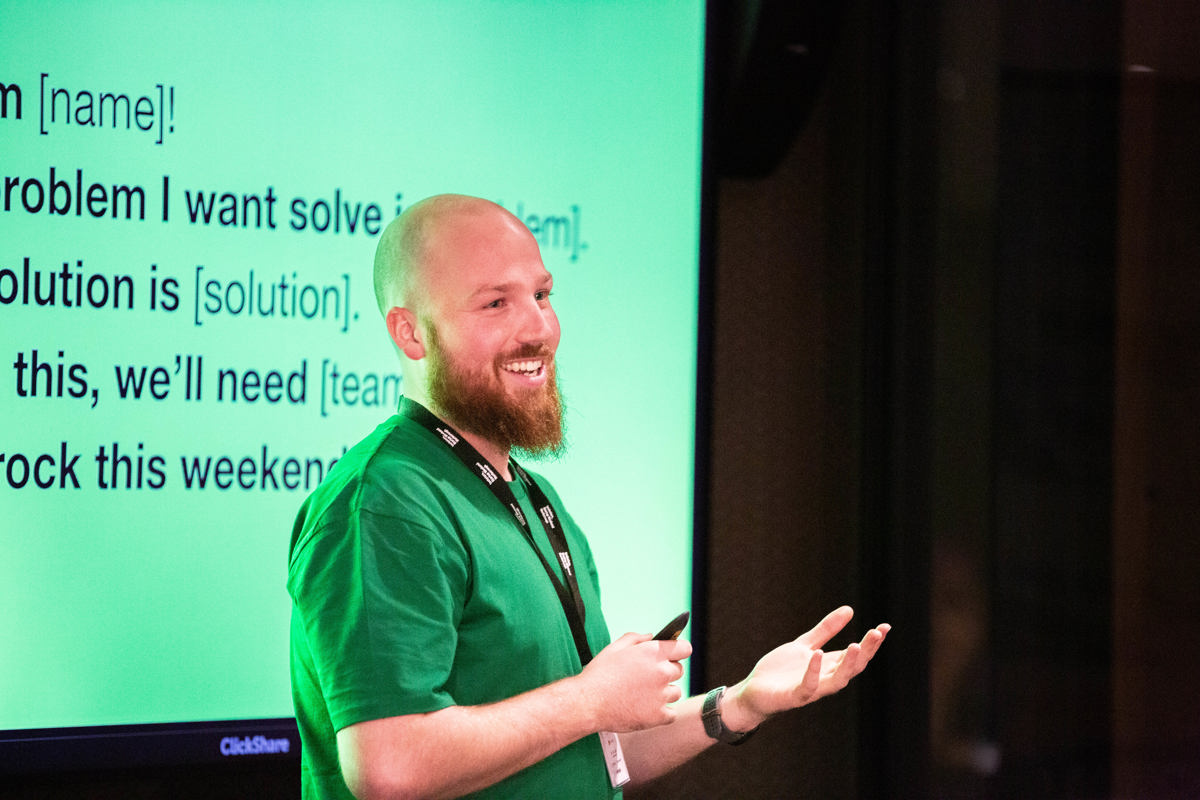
{"type": "Point", "coordinates": [714, 726]}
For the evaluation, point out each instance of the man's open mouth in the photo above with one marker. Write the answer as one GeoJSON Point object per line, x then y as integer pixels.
{"type": "Point", "coordinates": [529, 368]}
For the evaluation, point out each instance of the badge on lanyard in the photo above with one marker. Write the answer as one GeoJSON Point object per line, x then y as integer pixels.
{"type": "Point", "coordinates": [614, 759]}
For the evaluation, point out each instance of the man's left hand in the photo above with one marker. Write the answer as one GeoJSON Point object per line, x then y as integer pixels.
{"type": "Point", "coordinates": [799, 672]}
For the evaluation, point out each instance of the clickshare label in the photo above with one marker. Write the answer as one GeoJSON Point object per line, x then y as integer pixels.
{"type": "Point", "coordinates": [253, 746]}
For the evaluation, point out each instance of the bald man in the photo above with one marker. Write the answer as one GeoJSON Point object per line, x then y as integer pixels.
{"type": "Point", "coordinates": [447, 636]}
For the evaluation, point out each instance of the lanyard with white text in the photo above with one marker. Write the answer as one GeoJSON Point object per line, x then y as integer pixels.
{"type": "Point", "coordinates": [572, 602]}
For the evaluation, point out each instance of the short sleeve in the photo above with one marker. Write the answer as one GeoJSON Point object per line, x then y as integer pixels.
{"type": "Point", "coordinates": [379, 600]}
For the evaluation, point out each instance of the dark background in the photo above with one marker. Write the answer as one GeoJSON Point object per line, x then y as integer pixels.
{"type": "Point", "coordinates": [953, 379]}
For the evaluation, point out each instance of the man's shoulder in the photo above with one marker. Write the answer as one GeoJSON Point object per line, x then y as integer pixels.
{"type": "Point", "coordinates": [394, 468]}
{"type": "Point", "coordinates": [392, 445]}
{"type": "Point", "coordinates": [396, 453]}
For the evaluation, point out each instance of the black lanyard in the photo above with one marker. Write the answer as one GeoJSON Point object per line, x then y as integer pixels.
{"type": "Point", "coordinates": [572, 602]}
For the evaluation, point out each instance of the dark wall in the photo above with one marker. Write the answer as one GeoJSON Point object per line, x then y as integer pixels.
{"type": "Point", "coordinates": [1156, 550]}
{"type": "Point", "coordinates": [957, 384]}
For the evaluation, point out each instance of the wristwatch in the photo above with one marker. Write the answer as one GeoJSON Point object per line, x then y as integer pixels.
{"type": "Point", "coordinates": [714, 726]}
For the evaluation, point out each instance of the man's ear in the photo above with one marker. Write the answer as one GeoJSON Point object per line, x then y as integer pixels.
{"type": "Point", "coordinates": [402, 326]}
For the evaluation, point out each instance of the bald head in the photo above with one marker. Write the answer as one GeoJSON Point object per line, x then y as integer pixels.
{"type": "Point", "coordinates": [466, 297]}
{"type": "Point", "coordinates": [408, 245]}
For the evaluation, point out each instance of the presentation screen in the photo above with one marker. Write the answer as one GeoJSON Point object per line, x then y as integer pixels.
{"type": "Point", "coordinates": [190, 199]}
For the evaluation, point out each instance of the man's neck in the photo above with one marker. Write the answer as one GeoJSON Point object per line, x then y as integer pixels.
{"type": "Point", "coordinates": [496, 455]}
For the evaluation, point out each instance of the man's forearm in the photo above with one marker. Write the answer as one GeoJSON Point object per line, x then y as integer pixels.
{"type": "Point", "coordinates": [629, 685]}
{"type": "Point", "coordinates": [656, 751]}
{"type": "Point", "coordinates": [461, 749]}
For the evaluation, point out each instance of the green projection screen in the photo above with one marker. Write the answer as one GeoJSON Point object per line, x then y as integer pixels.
{"type": "Point", "coordinates": [192, 194]}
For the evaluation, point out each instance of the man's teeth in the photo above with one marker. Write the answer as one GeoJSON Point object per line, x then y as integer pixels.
{"type": "Point", "coordinates": [524, 367]}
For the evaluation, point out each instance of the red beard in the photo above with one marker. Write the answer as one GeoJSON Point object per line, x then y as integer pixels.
{"type": "Point", "coordinates": [478, 403]}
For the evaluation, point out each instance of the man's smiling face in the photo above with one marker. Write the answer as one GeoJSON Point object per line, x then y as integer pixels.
{"type": "Point", "coordinates": [491, 332]}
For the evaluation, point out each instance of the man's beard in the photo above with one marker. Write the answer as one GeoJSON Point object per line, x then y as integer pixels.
{"type": "Point", "coordinates": [478, 403]}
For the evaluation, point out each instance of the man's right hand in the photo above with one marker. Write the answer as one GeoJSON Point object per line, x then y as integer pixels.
{"type": "Point", "coordinates": [631, 683]}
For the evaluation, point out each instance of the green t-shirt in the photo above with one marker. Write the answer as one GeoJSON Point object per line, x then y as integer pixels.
{"type": "Point", "coordinates": [414, 589]}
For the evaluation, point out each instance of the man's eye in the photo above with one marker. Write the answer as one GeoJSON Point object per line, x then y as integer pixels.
{"type": "Point", "coordinates": [542, 295]}
{"type": "Point", "coordinates": [495, 303]}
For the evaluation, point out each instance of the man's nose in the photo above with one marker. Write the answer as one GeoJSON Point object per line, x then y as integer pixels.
{"type": "Point", "coordinates": [538, 323]}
